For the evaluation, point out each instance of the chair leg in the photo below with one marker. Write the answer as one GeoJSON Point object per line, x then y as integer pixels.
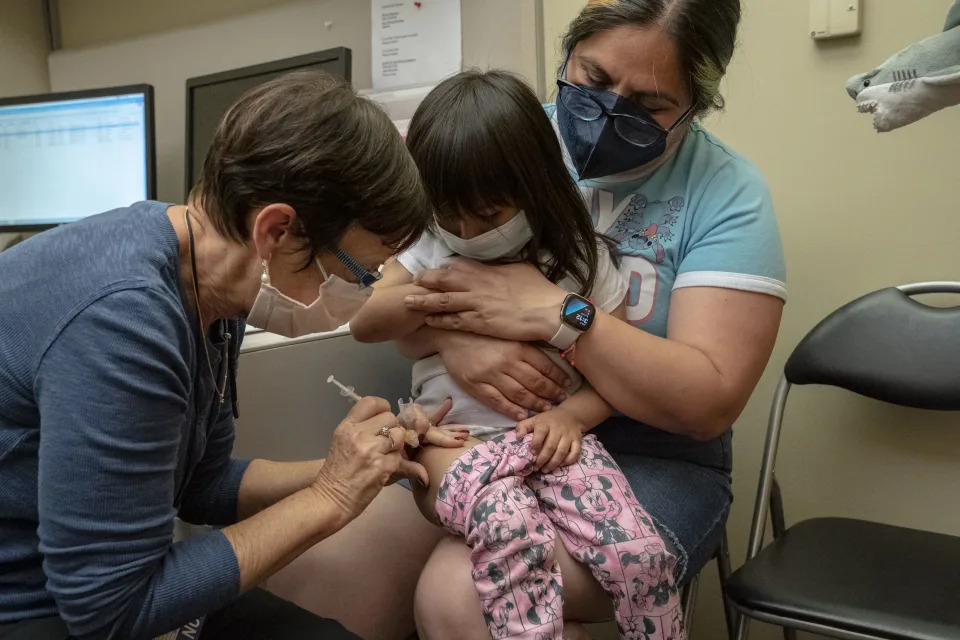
{"type": "Point", "coordinates": [725, 570]}
{"type": "Point", "coordinates": [743, 628]}
{"type": "Point", "coordinates": [688, 602]}
{"type": "Point", "coordinates": [778, 524]}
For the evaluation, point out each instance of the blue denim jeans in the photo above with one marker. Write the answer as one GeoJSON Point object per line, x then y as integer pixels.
{"type": "Point", "coordinates": [682, 483]}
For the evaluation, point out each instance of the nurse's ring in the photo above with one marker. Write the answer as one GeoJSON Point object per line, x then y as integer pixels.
{"type": "Point", "coordinates": [385, 432]}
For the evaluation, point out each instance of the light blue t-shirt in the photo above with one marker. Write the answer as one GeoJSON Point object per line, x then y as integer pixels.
{"type": "Point", "coordinates": [703, 219]}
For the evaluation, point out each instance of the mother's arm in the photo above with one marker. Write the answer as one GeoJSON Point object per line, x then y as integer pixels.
{"type": "Point", "coordinates": [718, 342]}
{"type": "Point", "coordinates": [697, 380]}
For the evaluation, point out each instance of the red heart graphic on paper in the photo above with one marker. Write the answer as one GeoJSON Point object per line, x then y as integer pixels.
{"type": "Point", "coordinates": [418, 4]}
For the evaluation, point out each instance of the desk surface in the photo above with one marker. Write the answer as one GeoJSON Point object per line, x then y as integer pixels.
{"type": "Point", "coordinates": [258, 340]}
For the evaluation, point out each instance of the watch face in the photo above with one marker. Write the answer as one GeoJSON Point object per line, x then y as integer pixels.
{"type": "Point", "coordinates": [578, 313]}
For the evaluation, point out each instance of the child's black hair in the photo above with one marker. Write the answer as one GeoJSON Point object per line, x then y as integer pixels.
{"type": "Point", "coordinates": [482, 140]}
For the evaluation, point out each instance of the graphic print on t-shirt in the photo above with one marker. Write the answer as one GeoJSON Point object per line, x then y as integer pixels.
{"type": "Point", "coordinates": [642, 229]}
{"type": "Point", "coordinates": [645, 226]}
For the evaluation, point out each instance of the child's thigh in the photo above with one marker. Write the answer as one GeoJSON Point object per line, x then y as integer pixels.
{"type": "Point", "coordinates": [436, 460]}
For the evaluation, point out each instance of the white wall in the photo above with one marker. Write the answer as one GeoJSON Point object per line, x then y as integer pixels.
{"type": "Point", "coordinates": [23, 54]}
{"type": "Point", "coordinates": [858, 211]}
{"type": "Point", "coordinates": [499, 33]}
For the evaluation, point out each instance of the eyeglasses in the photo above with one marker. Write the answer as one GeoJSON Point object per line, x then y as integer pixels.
{"type": "Point", "coordinates": [364, 277]}
{"type": "Point", "coordinates": [637, 130]}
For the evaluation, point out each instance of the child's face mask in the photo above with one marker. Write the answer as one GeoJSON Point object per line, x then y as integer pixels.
{"type": "Point", "coordinates": [505, 241]}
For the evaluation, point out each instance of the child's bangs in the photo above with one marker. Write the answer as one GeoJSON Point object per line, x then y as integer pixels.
{"type": "Point", "coordinates": [465, 148]}
{"type": "Point", "coordinates": [471, 175]}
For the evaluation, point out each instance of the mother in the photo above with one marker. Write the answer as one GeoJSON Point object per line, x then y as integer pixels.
{"type": "Point", "coordinates": [702, 254]}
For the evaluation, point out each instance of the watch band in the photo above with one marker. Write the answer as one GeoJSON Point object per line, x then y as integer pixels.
{"type": "Point", "coordinates": [564, 337]}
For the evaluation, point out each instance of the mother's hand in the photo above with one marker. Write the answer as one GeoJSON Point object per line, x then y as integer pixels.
{"type": "Point", "coordinates": [509, 377]}
{"type": "Point", "coordinates": [513, 301]}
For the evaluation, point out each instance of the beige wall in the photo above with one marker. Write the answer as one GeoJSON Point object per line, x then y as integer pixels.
{"type": "Point", "coordinates": [23, 54]}
{"type": "Point", "coordinates": [87, 23]}
{"type": "Point", "coordinates": [858, 211]}
{"type": "Point", "coordinates": [557, 14]}
{"type": "Point", "coordinates": [23, 48]}
{"type": "Point", "coordinates": [496, 33]}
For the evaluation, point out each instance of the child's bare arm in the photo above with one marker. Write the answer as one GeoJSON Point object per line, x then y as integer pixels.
{"type": "Point", "coordinates": [559, 431]}
{"type": "Point", "coordinates": [587, 407]}
{"type": "Point", "coordinates": [384, 316]}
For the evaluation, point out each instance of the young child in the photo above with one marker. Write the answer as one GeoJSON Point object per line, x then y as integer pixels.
{"type": "Point", "coordinates": [494, 170]}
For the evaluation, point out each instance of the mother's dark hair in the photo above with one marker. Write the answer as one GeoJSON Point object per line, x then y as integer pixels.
{"type": "Point", "coordinates": [703, 31]}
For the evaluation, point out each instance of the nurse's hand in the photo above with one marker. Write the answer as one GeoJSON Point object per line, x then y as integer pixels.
{"type": "Point", "coordinates": [513, 301]}
{"type": "Point", "coordinates": [362, 462]}
{"type": "Point", "coordinates": [509, 377]}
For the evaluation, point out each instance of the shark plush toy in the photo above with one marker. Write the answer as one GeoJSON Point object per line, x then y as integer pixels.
{"type": "Point", "coordinates": [914, 83]}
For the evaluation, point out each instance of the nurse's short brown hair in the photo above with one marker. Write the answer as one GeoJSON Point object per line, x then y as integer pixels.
{"type": "Point", "coordinates": [308, 140]}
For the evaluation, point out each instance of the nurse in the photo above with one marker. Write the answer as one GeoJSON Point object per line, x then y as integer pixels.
{"type": "Point", "coordinates": [118, 355]}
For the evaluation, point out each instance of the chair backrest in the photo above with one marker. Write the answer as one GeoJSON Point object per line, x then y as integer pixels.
{"type": "Point", "coordinates": [887, 346]}
{"type": "Point", "coordinates": [884, 345]}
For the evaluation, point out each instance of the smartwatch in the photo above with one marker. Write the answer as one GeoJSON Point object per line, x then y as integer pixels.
{"type": "Point", "coordinates": [576, 316]}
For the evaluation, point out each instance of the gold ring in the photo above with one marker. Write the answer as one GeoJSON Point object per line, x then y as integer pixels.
{"type": "Point", "coordinates": [385, 432]}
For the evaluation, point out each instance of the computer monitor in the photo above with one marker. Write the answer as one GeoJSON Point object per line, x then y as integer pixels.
{"type": "Point", "coordinates": [209, 97]}
{"type": "Point", "coordinates": [66, 156]}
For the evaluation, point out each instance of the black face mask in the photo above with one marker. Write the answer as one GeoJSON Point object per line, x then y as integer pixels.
{"type": "Point", "coordinates": [605, 133]}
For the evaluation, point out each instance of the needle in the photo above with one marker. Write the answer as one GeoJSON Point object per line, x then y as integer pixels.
{"type": "Point", "coordinates": [410, 436]}
{"type": "Point", "coordinates": [345, 391]}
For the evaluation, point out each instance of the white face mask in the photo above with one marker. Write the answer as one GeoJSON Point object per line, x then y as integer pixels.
{"type": "Point", "coordinates": [277, 313]}
{"type": "Point", "coordinates": [504, 241]}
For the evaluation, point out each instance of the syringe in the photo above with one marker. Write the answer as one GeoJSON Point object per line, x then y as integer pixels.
{"type": "Point", "coordinates": [406, 412]}
{"type": "Point", "coordinates": [408, 416]}
{"type": "Point", "coordinates": [345, 391]}
{"type": "Point", "coordinates": [410, 437]}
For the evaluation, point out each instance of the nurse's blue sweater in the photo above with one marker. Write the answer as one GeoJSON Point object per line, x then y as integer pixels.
{"type": "Point", "coordinates": [109, 428]}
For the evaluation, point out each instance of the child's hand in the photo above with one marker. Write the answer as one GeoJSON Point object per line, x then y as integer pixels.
{"type": "Point", "coordinates": [413, 417]}
{"type": "Point", "coordinates": [557, 435]}
{"type": "Point", "coordinates": [422, 428]}
{"type": "Point", "coordinates": [449, 436]}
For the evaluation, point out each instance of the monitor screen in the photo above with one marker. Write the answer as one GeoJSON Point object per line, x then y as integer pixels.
{"type": "Point", "coordinates": [209, 97]}
{"type": "Point", "coordinates": [67, 156]}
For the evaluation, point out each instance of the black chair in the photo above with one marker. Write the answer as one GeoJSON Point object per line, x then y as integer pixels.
{"type": "Point", "coordinates": [688, 596]}
{"type": "Point", "coordinates": [836, 576]}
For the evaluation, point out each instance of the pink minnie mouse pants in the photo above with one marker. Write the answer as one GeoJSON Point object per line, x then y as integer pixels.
{"type": "Point", "coordinates": [510, 516]}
